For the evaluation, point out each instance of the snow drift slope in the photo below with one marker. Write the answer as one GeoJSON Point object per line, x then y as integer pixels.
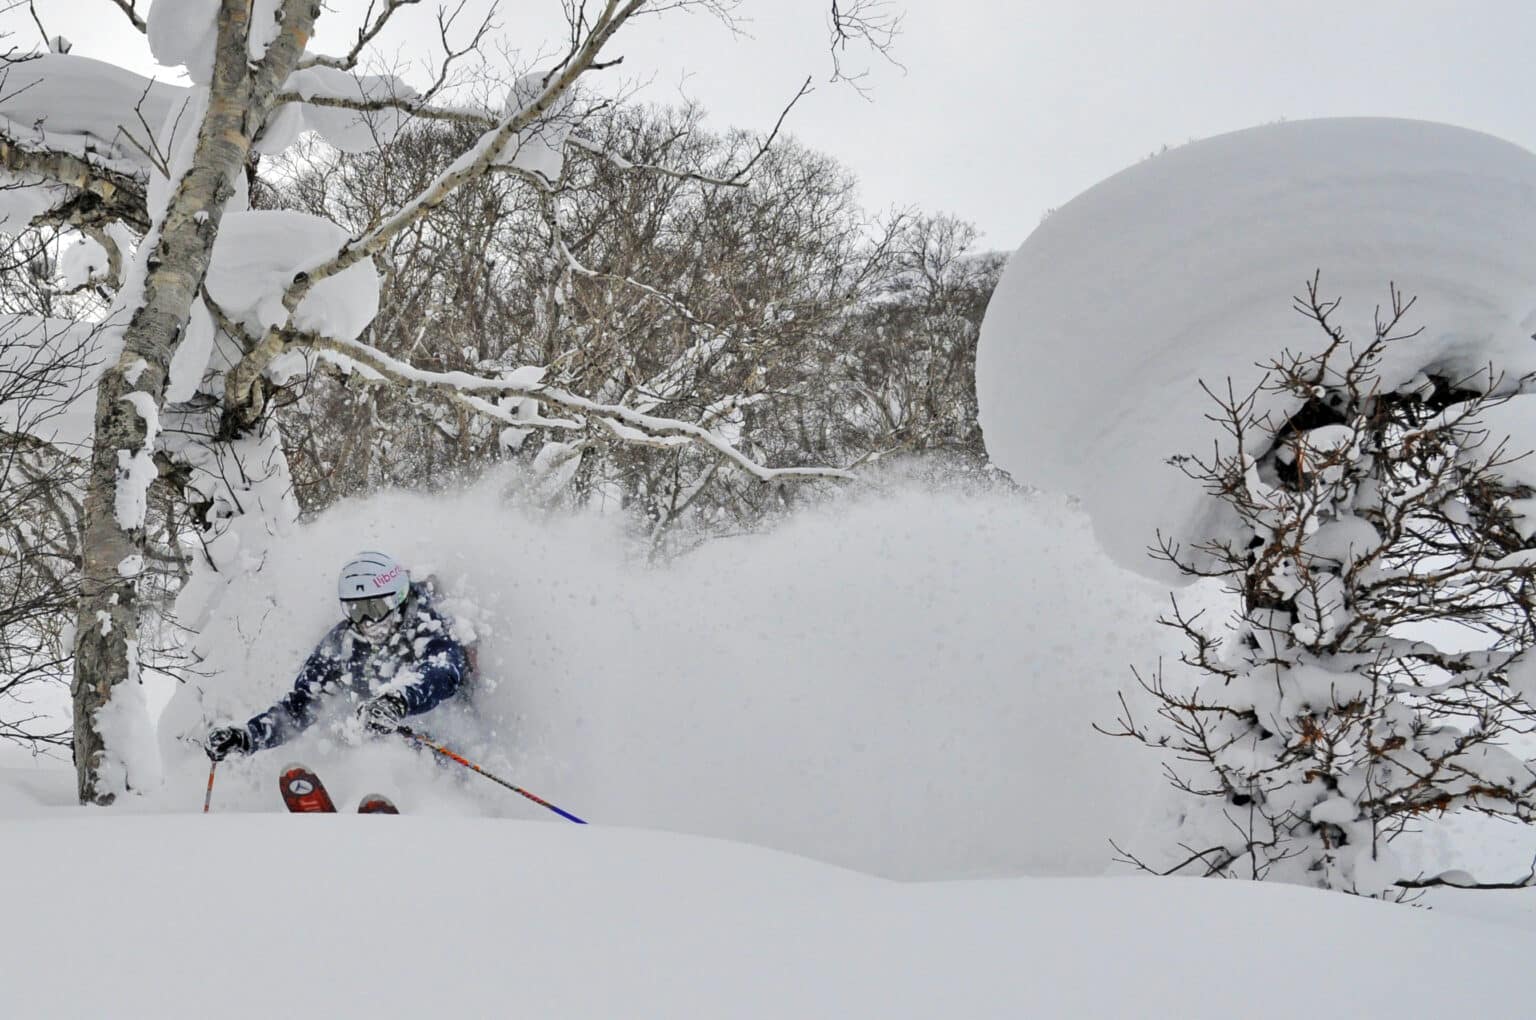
{"type": "Point", "coordinates": [373, 917]}
{"type": "Point", "coordinates": [1183, 268]}
{"type": "Point", "coordinates": [905, 685]}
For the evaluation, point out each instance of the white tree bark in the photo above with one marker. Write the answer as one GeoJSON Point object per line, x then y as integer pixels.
{"type": "Point", "coordinates": [240, 97]}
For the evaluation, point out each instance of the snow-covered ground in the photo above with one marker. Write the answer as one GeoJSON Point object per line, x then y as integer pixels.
{"type": "Point", "coordinates": [348, 916]}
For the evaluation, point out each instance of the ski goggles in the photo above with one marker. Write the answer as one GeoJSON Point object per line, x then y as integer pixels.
{"type": "Point", "coordinates": [370, 610]}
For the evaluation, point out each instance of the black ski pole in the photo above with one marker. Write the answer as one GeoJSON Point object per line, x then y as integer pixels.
{"type": "Point", "coordinates": [424, 741]}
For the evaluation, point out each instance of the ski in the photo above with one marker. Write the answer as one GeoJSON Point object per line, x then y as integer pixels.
{"type": "Point", "coordinates": [376, 804]}
{"type": "Point", "coordinates": [303, 792]}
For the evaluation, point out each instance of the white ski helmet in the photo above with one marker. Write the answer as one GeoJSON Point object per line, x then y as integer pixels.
{"type": "Point", "coordinates": [373, 575]}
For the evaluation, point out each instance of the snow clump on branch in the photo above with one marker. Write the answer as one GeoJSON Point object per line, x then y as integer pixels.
{"type": "Point", "coordinates": [69, 103]}
{"type": "Point", "coordinates": [335, 116]}
{"type": "Point", "coordinates": [182, 33]}
{"type": "Point", "coordinates": [539, 148]}
{"type": "Point", "coordinates": [254, 262]}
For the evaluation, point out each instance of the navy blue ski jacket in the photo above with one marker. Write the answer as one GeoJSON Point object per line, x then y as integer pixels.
{"type": "Point", "coordinates": [421, 661]}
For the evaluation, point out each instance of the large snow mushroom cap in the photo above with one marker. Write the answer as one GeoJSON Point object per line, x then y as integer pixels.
{"type": "Point", "coordinates": [369, 575]}
{"type": "Point", "coordinates": [1183, 268]}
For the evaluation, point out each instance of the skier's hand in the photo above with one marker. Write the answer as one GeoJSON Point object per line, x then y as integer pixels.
{"type": "Point", "coordinates": [383, 714]}
{"type": "Point", "coordinates": [227, 740]}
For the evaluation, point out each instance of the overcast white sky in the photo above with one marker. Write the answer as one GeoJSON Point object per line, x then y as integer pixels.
{"type": "Point", "coordinates": [1006, 108]}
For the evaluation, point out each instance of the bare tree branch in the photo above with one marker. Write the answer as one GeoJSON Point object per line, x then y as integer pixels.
{"type": "Point", "coordinates": [371, 27]}
{"type": "Point", "coordinates": [737, 179]}
{"type": "Point", "coordinates": [870, 23]}
{"type": "Point", "coordinates": [486, 152]}
{"type": "Point", "coordinates": [32, 6]}
{"type": "Point", "coordinates": [130, 8]}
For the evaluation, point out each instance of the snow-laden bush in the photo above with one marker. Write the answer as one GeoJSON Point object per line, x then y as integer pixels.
{"type": "Point", "coordinates": [1376, 669]}
{"type": "Point", "coordinates": [1179, 269]}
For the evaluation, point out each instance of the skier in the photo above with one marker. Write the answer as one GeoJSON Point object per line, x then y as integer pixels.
{"type": "Point", "coordinates": [394, 653]}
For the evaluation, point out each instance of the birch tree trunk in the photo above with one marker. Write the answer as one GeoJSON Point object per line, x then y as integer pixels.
{"type": "Point", "coordinates": [240, 97]}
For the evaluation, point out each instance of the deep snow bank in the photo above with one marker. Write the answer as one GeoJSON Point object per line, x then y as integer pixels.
{"type": "Point", "coordinates": [1183, 268]}
{"type": "Point", "coordinates": [902, 685]}
{"type": "Point", "coordinates": [366, 916]}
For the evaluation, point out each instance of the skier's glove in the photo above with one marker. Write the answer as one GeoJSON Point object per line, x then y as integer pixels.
{"type": "Point", "coordinates": [227, 740]}
{"type": "Point", "coordinates": [383, 714]}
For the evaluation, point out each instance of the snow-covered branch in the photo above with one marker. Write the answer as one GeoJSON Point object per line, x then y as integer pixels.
{"type": "Point", "coordinates": [1463, 880]}
{"type": "Point", "coordinates": [625, 423]}
{"type": "Point", "coordinates": [97, 194]}
{"type": "Point", "coordinates": [414, 106]}
{"type": "Point", "coordinates": [401, 100]}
